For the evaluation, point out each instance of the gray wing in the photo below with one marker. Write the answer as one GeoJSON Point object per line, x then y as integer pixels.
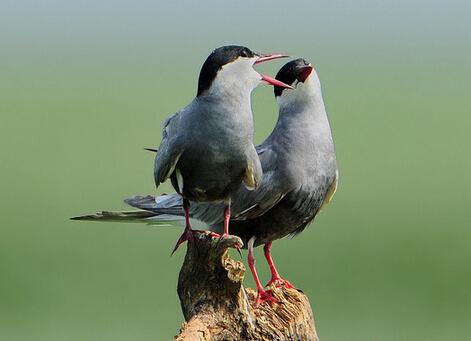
{"type": "Point", "coordinates": [251, 204]}
{"type": "Point", "coordinates": [164, 204]}
{"type": "Point", "coordinates": [254, 174]}
{"type": "Point", "coordinates": [247, 204]}
{"type": "Point", "coordinates": [172, 204]}
{"type": "Point", "coordinates": [169, 151]}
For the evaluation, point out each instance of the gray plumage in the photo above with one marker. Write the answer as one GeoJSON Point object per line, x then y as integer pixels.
{"type": "Point", "coordinates": [299, 170]}
{"type": "Point", "coordinates": [207, 149]}
{"type": "Point", "coordinates": [299, 178]}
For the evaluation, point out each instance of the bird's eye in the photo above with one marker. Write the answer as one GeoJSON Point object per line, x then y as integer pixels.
{"type": "Point", "coordinates": [244, 53]}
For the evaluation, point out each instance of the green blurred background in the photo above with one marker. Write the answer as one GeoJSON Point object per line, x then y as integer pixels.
{"type": "Point", "coordinates": [85, 86]}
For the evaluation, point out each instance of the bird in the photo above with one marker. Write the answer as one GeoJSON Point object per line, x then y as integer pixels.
{"type": "Point", "coordinates": [207, 148]}
{"type": "Point", "coordinates": [300, 176]}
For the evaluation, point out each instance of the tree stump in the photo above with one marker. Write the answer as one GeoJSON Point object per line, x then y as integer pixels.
{"type": "Point", "coordinates": [217, 307]}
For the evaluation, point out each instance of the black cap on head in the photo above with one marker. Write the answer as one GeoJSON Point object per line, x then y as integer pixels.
{"type": "Point", "coordinates": [290, 72]}
{"type": "Point", "coordinates": [216, 60]}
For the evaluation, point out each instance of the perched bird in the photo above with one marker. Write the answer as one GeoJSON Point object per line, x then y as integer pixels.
{"type": "Point", "coordinates": [207, 148]}
{"type": "Point", "coordinates": [300, 177]}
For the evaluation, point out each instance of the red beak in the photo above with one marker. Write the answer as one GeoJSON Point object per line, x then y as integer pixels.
{"type": "Point", "coordinates": [266, 58]}
{"type": "Point", "coordinates": [271, 56]}
{"type": "Point", "coordinates": [273, 81]}
{"type": "Point", "coordinates": [305, 72]}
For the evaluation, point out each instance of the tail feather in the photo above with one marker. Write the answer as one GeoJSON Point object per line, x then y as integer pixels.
{"type": "Point", "coordinates": [165, 204]}
{"type": "Point", "coordinates": [164, 210]}
{"type": "Point", "coordinates": [150, 218]}
{"type": "Point", "coordinates": [137, 216]}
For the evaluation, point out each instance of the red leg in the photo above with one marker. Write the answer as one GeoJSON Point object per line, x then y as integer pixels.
{"type": "Point", "coordinates": [275, 277]}
{"type": "Point", "coordinates": [227, 217]}
{"type": "Point", "coordinates": [188, 232]}
{"type": "Point", "coordinates": [263, 295]}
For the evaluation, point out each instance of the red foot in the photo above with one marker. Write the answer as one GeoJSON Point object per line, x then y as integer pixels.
{"type": "Point", "coordinates": [265, 296]}
{"type": "Point", "coordinates": [187, 235]}
{"type": "Point", "coordinates": [212, 234]}
{"type": "Point", "coordinates": [188, 232]}
{"type": "Point", "coordinates": [262, 295]}
{"type": "Point", "coordinates": [279, 282]}
{"type": "Point", "coordinates": [276, 280]}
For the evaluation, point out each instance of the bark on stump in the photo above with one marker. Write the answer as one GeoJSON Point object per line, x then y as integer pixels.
{"type": "Point", "coordinates": [217, 307]}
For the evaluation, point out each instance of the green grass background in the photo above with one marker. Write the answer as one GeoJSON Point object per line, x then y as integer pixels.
{"type": "Point", "coordinates": [85, 86]}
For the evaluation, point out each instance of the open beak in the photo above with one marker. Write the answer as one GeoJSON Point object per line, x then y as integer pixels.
{"type": "Point", "coordinates": [305, 71]}
{"type": "Point", "coordinates": [273, 81]}
{"type": "Point", "coordinates": [271, 56]}
{"type": "Point", "coordinates": [269, 80]}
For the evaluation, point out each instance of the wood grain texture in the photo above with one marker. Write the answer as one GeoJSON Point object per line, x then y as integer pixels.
{"type": "Point", "coordinates": [217, 307]}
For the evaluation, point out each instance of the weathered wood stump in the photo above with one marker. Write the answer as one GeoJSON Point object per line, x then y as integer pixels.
{"type": "Point", "coordinates": [217, 307]}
